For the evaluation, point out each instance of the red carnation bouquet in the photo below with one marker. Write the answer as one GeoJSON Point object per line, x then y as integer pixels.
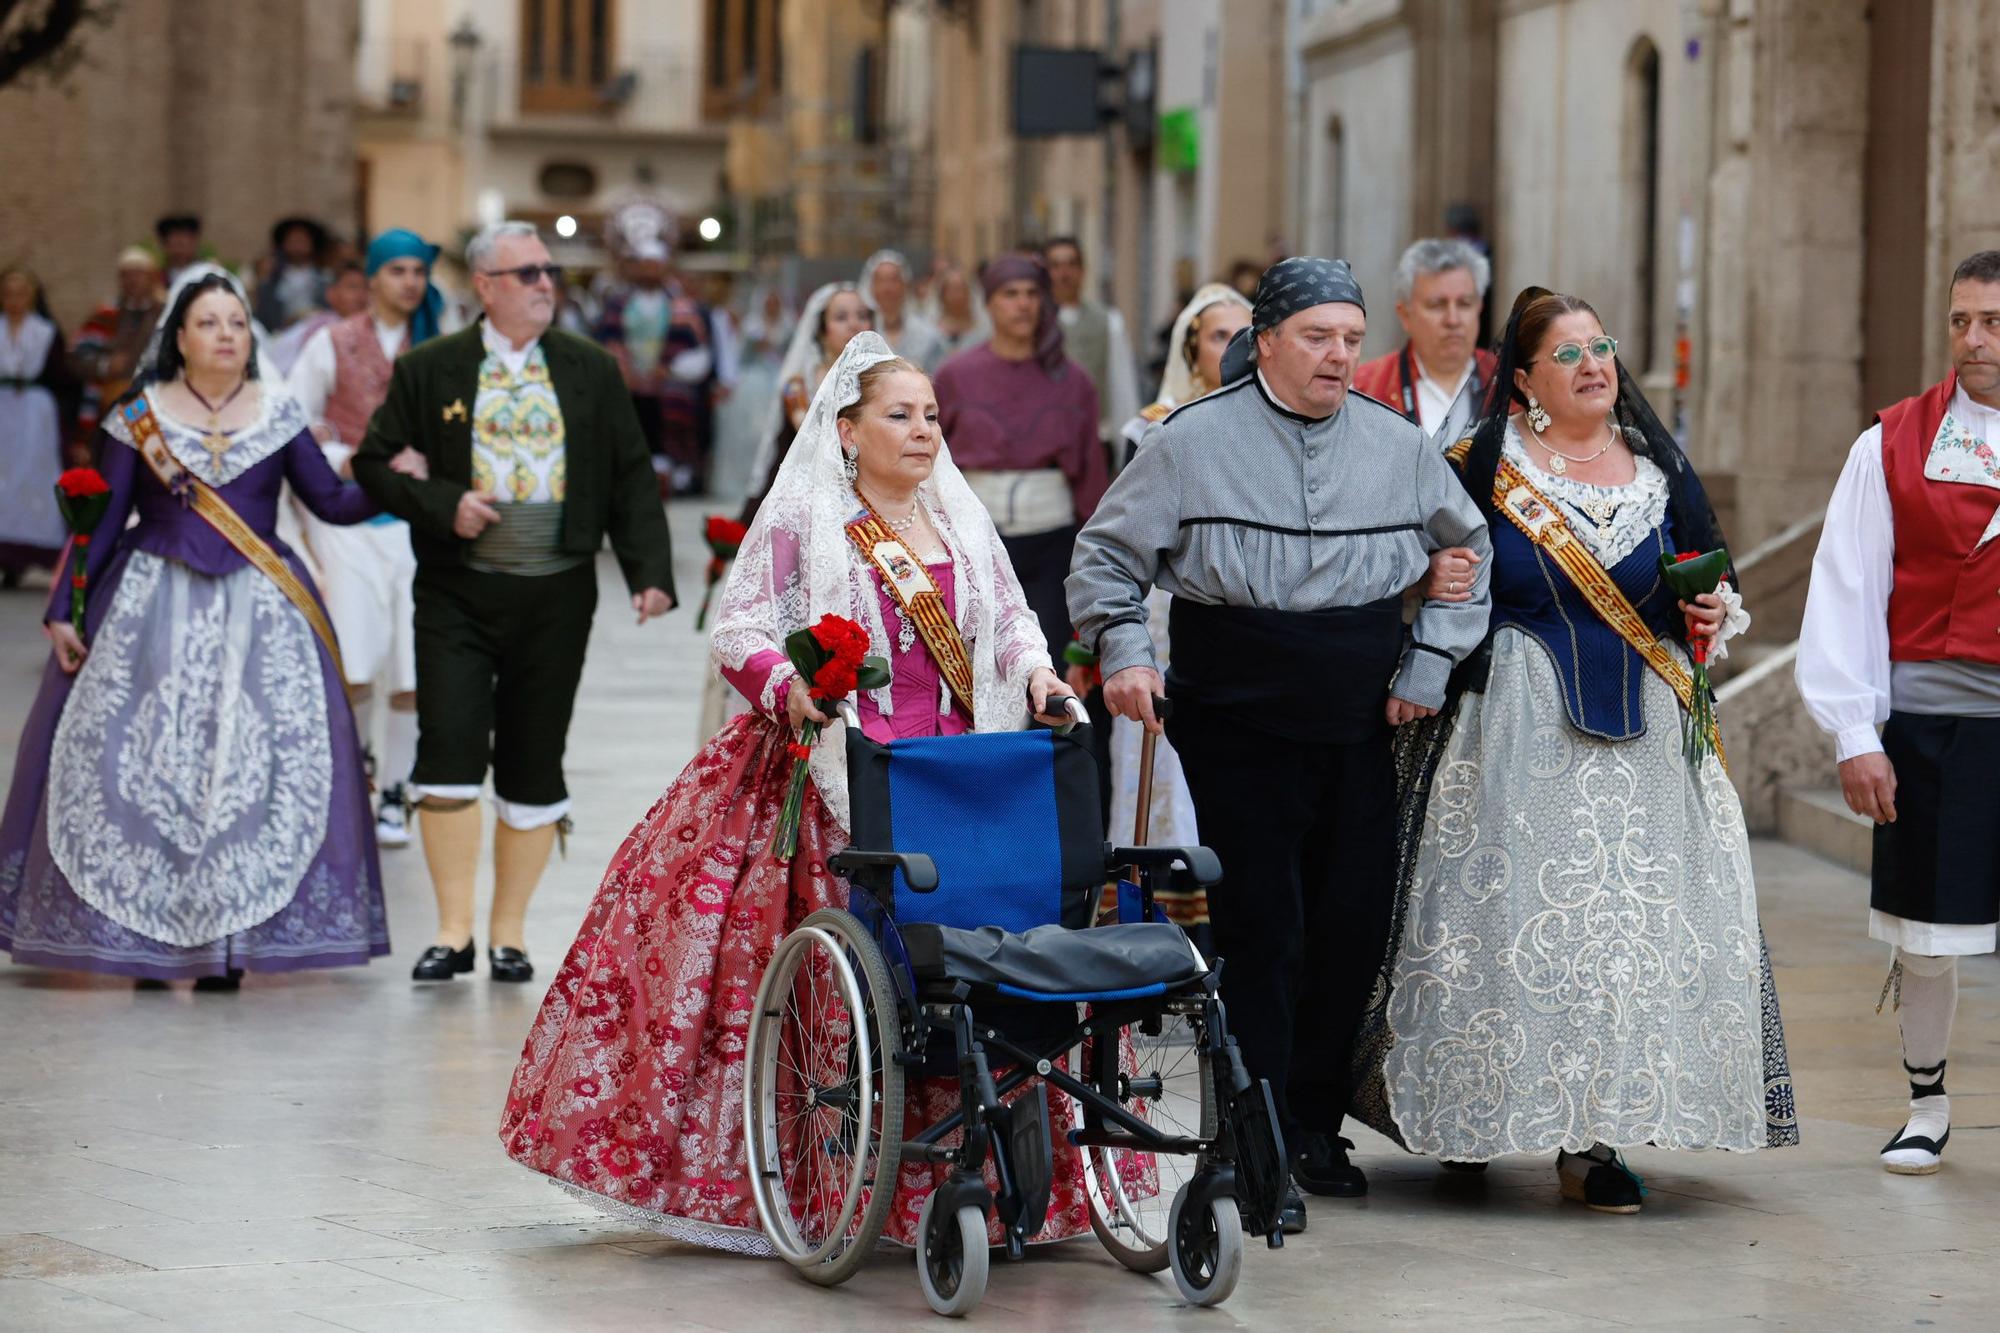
{"type": "Point", "coordinates": [1692, 574]}
{"type": "Point", "coordinates": [82, 494]}
{"type": "Point", "coordinates": [833, 658]}
{"type": "Point", "coordinates": [725, 538]}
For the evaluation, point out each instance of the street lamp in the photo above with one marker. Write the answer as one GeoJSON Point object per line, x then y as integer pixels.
{"type": "Point", "coordinates": [711, 230]}
{"type": "Point", "coordinates": [465, 42]}
{"type": "Point", "coordinates": [565, 226]}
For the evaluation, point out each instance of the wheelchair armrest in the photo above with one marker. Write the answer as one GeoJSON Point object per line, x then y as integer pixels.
{"type": "Point", "coordinates": [1200, 864]}
{"type": "Point", "coordinates": [919, 871]}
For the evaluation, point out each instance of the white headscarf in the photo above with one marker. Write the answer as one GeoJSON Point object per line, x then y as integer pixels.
{"type": "Point", "coordinates": [802, 356]}
{"type": "Point", "coordinates": [268, 375]}
{"type": "Point", "coordinates": [1178, 384]}
{"type": "Point", "coordinates": [797, 564]}
{"type": "Point", "coordinates": [919, 340]}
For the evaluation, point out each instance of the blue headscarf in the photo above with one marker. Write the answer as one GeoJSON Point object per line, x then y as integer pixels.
{"type": "Point", "coordinates": [401, 243]}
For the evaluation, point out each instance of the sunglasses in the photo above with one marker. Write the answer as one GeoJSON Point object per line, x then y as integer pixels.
{"type": "Point", "coordinates": [1570, 355]}
{"type": "Point", "coordinates": [528, 274]}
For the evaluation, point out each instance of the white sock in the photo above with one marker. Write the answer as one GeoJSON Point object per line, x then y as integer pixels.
{"type": "Point", "coordinates": [399, 749]}
{"type": "Point", "coordinates": [1929, 1003]}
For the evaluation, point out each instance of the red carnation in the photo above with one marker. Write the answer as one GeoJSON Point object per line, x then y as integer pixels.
{"type": "Point", "coordinates": [832, 655]}
{"type": "Point", "coordinates": [80, 482]}
{"type": "Point", "coordinates": [725, 531]}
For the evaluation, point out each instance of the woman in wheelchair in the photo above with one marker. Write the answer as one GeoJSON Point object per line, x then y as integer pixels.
{"type": "Point", "coordinates": [631, 1084]}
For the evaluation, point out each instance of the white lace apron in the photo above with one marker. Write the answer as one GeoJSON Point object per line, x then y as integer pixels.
{"type": "Point", "coordinates": [192, 769]}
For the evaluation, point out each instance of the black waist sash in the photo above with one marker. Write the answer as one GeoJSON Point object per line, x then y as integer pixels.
{"type": "Point", "coordinates": [1316, 676]}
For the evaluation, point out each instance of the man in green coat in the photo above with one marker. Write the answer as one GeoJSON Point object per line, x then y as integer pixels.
{"type": "Point", "coordinates": [533, 457]}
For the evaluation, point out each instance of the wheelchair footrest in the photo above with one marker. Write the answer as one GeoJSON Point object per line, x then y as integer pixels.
{"type": "Point", "coordinates": [1261, 1168]}
{"type": "Point", "coordinates": [1023, 1126]}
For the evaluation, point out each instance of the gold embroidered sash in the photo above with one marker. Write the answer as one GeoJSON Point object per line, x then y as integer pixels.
{"type": "Point", "coordinates": [152, 446]}
{"type": "Point", "coordinates": [1543, 523]}
{"type": "Point", "coordinates": [911, 585]}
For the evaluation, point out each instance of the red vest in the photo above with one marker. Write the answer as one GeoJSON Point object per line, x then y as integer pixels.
{"type": "Point", "coordinates": [360, 376]}
{"type": "Point", "coordinates": [1945, 601]}
{"type": "Point", "coordinates": [1382, 379]}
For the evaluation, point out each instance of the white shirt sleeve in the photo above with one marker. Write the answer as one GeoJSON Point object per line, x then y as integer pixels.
{"type": "Point", "coordinates": [1843, 667]}
{"type": "Point", "coordinates": [311, 380]}
{"type": "Point", "coordinates": [1119, 402]}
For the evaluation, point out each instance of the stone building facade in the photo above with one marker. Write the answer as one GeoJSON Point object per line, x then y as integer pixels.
{"type": "Point", "coordinates": [241, 113]}
{"type": "Point", "coordinates": [1762, 197]}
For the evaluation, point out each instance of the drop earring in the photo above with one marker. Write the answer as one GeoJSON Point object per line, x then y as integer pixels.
{"type": "Point", "coordinates": [1538, 416]}
{"type": "Point", "coordinates": [850, 468]}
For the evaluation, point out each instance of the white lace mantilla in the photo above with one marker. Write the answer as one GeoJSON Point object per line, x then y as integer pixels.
{"type": "Point", "coordinates": [192, 768]}
{"type": "Point", "coordinates": [797, 564]}
{"type": "Point", "coordinates": [279, 420]}
{"type": "Point", "coordinates": [1581, 958]}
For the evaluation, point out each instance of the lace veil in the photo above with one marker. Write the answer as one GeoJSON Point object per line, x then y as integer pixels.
{"type": "Point", "coordinates": [1177, 384]}
{"type": "Point", "coordinates": [797, 564]}
{"type": "Point", "coordinates": [801, 361]}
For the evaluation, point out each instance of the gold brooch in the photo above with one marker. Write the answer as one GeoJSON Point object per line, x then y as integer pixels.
{"type": "Point", "coordinates": [456, 410]}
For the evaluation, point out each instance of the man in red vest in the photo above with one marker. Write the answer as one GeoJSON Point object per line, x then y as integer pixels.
{"type": "Point", "coordinates": [1902, 631]}
{"type": "Point", "coordinates": [1438, 378]}
{"type": "Point", "coordinates": [366, 571]}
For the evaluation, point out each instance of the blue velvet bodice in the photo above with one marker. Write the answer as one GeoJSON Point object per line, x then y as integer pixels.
{"type": "Point", "coordinates": [1601, 674]}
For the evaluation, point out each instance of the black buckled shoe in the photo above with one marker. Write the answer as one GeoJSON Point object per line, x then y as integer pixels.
{"type": "Point", "coordinates": [1322, 1168]}
{"type": "Point", "coordinates": [508, 965]}
{"type": "Point", "coordinates": [442, 963]}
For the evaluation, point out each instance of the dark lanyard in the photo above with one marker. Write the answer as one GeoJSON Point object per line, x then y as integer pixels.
{"type": "Point", "coordinates": [1407, 370]}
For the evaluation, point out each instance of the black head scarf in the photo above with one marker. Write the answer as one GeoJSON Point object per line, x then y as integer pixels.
{"type": "Point", "coordinates": [1695, 524]}
{"type": "Point", "coordinates": [1287, 287]}
{"type": "Point", "coordinates": [1048, 329]}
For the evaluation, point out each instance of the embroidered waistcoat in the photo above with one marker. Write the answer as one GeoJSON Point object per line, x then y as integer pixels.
{"type": "Point", "coordinates": [360, 376]}
{"type": "Point", "coordinates": [518, 441]}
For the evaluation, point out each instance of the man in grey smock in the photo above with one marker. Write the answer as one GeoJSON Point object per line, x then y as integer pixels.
{"type": "Point", "coordinates": [1287, 516]}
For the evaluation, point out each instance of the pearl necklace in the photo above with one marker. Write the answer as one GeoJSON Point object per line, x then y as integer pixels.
{"type": "Point", "coordinates": [903, 524]}
{"type": "Point", "coordinates": [1559, 461]}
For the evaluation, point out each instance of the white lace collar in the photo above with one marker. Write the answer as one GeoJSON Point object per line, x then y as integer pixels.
{"type": "Point", "coordinates": [1613, 521]}
{"type": "Point", "coordinates": [278, 422]}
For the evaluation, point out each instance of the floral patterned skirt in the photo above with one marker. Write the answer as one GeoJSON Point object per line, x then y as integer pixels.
{"type": "Point", "coordinates": [630, 1086]}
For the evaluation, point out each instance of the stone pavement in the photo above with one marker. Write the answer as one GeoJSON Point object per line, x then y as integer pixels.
{"type": "Point", "coordinates": [318, 1152]}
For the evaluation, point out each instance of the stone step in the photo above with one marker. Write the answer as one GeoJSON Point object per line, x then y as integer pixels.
{"type": "Point", "coordinates": [1817, 820]}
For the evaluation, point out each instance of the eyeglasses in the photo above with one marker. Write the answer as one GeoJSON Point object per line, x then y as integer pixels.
{"type": "Point", "coordinates": [1570, 355]}
{"type": "Point", "coordinates": [528, 274]}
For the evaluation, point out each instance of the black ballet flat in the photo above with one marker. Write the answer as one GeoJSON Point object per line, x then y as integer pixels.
{"type": "Point", "coordinates": [442, 963]}
{"type": "Point", "coordinates": [509, 965]}
{"type": "Point", "coordinates": [227, 984]}
{"type": "Point", "coordinates": [149, 983]}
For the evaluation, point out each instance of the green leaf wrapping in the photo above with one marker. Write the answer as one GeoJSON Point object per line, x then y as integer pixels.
{"type": "Point", "coordinates": [1692, 578]}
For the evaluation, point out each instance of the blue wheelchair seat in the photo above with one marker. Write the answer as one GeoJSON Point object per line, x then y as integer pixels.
{"type": "Point", "coordinates": [1054, 963]}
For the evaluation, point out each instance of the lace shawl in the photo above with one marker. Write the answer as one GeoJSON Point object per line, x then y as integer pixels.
{"type": "Point", "coordinates": [798, 564]}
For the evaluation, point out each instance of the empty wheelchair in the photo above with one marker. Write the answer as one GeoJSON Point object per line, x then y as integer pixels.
{"type": "Point", "coordinates": [967, 951]}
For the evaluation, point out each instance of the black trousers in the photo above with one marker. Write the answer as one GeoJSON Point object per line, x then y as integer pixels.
{"type": "Point", "coordinates": [498, 660]}
{"type": "Point", "coordinates": [1306, 835]}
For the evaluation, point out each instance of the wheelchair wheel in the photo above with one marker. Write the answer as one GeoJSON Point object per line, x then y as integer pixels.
{"type": "Point", "coordinates": [1207, 1247]}
{"type": "Point", "coordinates": [1167, 1081]}
{"type": "Point", "coordinates": [952, 1259]}
{"type": "Point", "coordinates": [823, 1097]}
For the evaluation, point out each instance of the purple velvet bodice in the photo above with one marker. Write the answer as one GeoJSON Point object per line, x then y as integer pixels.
{"type": "Point", "coordinates": [173, 530]}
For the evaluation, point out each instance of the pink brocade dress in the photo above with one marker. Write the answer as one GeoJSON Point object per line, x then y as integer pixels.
{"type": "Point", "coordinates": [630, 1086]}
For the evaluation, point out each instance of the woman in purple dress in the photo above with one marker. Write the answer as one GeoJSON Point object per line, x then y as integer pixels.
{"type": "Point", "coordinates": [188, 797]}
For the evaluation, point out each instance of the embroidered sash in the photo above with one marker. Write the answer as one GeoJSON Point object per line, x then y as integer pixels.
{"type": "Point", "coordinates": [204, 499]}
{"type": "Point", "coordinates": [1543, 523]}
{"type": "Point", "coordinates": [911, 585]}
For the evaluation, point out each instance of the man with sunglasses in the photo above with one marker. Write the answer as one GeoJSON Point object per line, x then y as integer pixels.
{"type": "Point", "coordinates": [535, 457]}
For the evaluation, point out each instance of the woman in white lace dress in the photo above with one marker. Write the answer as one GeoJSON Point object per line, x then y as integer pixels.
{"type": "Point", "coordinates": [1581, 967]}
